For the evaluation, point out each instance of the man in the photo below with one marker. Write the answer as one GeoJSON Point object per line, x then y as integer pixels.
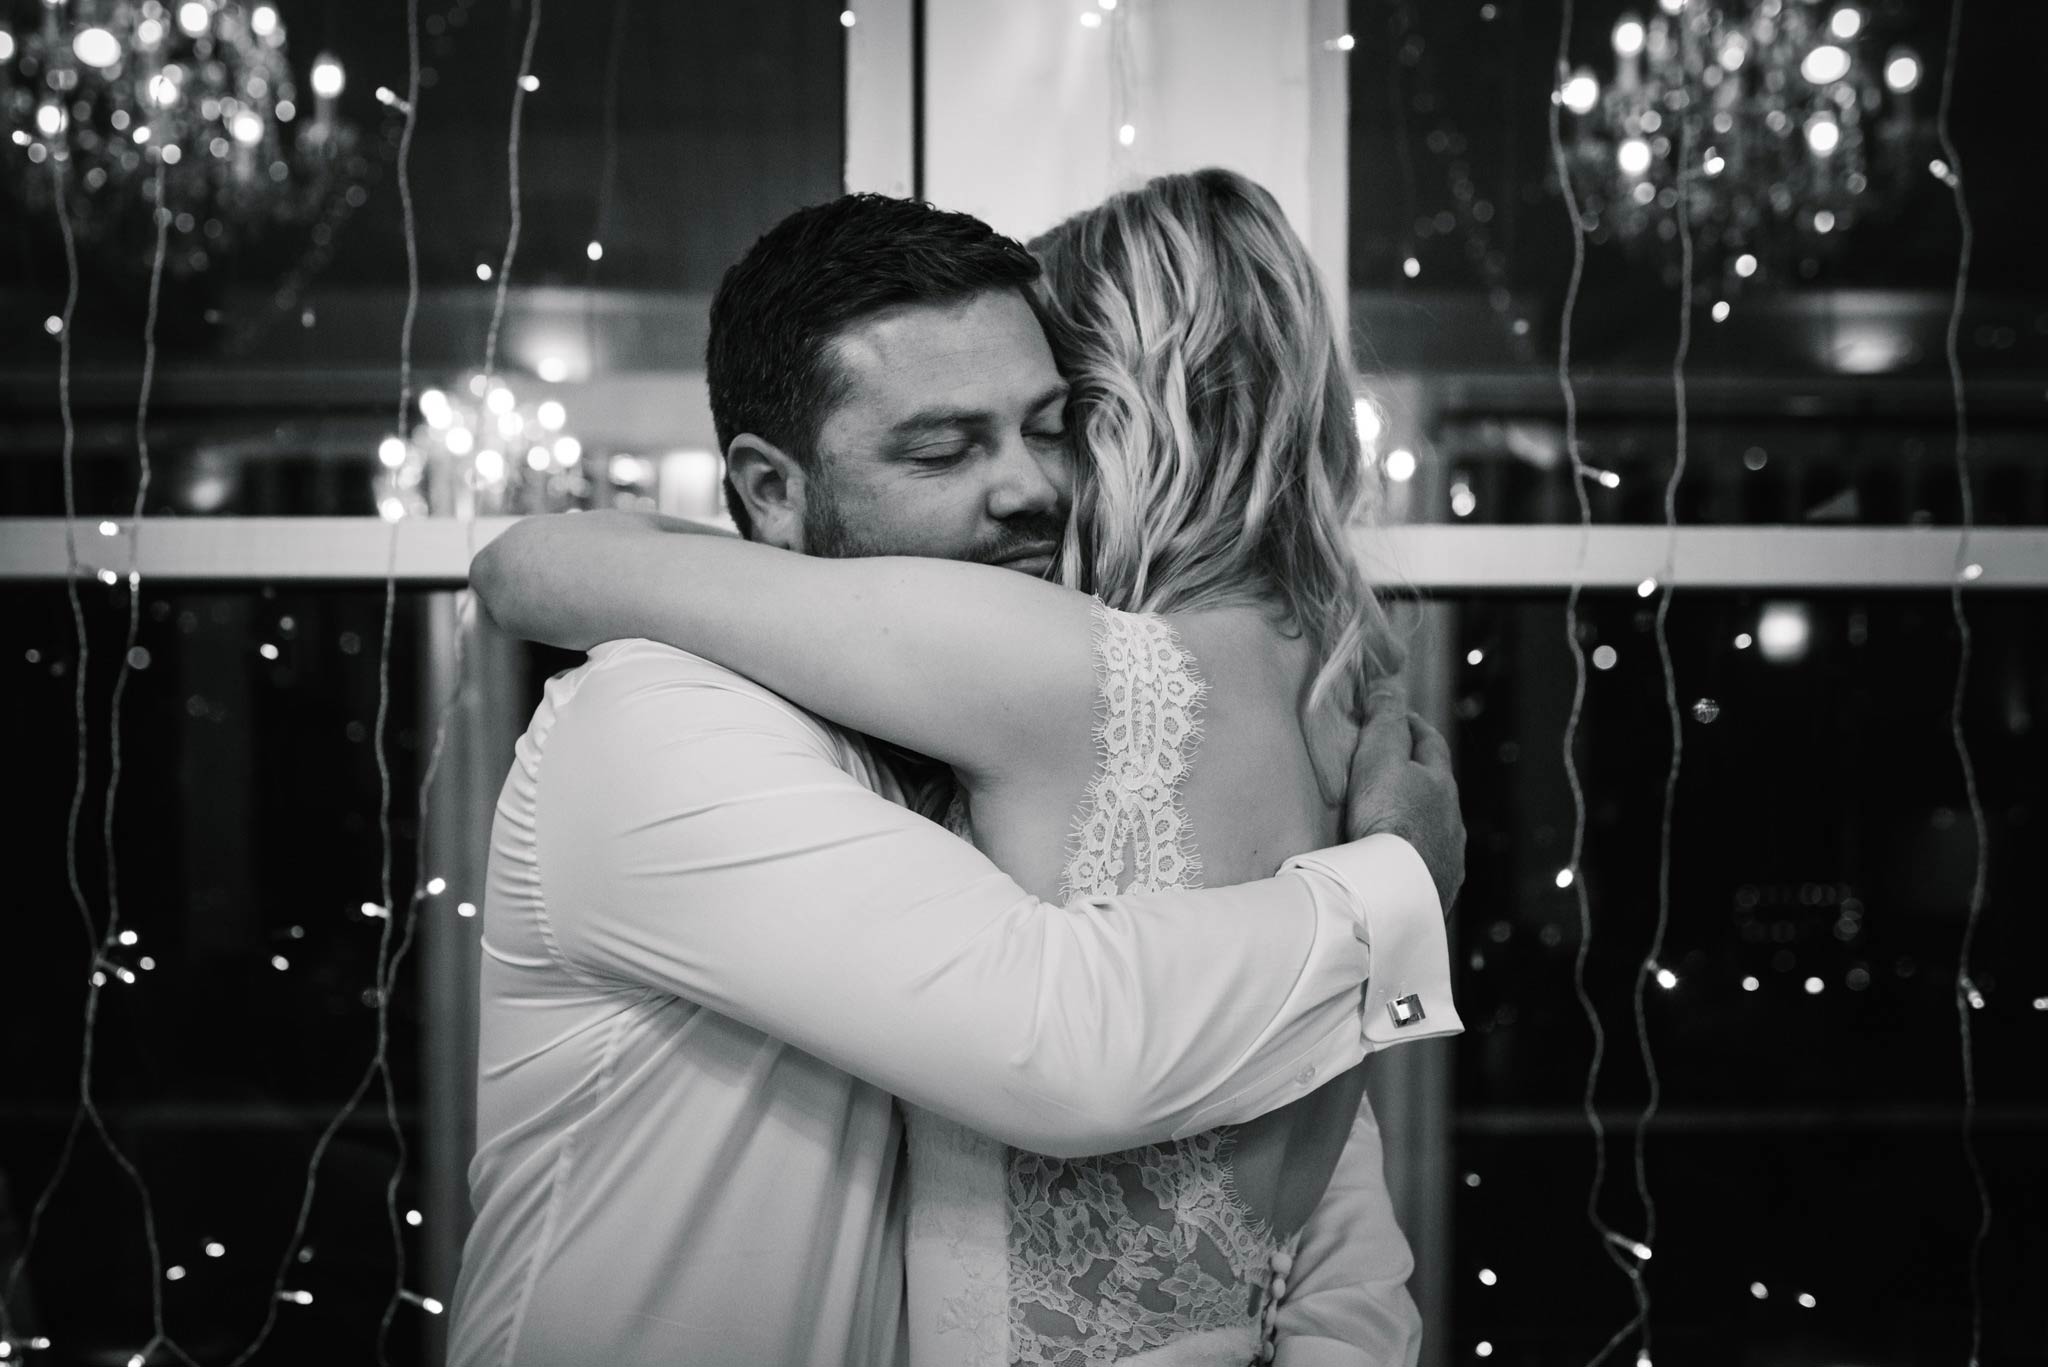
{"type": "Point", "coordinates": [714, 946]}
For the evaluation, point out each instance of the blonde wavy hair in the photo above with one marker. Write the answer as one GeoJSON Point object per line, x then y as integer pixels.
{"type": "Point", "coordinates": [1219, 459]}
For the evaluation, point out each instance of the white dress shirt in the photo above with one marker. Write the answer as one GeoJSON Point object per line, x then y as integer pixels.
{"type": "Point", "coordinates": [714, 947]}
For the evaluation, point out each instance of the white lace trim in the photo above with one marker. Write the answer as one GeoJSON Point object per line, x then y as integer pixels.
{"type": "Point", "coordinates": [1145, 736]}
{"type": "Point", "coordinates": [1130, 1252]}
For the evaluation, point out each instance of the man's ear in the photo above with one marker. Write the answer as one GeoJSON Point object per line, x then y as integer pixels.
{"type": "Point", "coordinates": [773, 487]}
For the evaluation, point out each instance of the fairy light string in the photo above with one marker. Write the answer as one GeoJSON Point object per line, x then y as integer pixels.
{"type": "Point", "coordinates": [390, 955]}
{"type": "Point", "coordinates": [72, 566]}
{"type": "Point", "coordinates": [1967, 995]}
{"type": "Point", "coordinates": [607, 173]}
{"type": "Point", "coordinates": [1123, 98]}
{"type": "Point", "coordinates": [1627, 1254]}
{"type": "Point", "coordinates": [100, 944]}
{"type": "Point", "coordinates": [504, 273]}
{"type": "Point", "coordinates": [1688, 44]}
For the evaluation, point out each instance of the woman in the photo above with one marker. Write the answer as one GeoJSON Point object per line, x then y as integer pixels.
{"type": "Point", "coordinates": [1184, 699]}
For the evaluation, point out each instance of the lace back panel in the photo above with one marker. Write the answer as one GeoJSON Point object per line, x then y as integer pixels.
{"type": "Point", "coordinates": [1114, 1255]}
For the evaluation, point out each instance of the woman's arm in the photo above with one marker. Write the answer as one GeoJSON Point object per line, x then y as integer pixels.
{"type": "Point", "coordinates": [984, 668]}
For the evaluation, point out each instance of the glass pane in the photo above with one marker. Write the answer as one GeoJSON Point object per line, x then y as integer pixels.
{"type": "Point", "coordinates": [1824, 263]}
{"type": "Point", "coordinates": [243, 1014]}
{"type": "Point", "coordinates": [1806, 1043]}
{"type": "Point", "coordinates": [670, 137]}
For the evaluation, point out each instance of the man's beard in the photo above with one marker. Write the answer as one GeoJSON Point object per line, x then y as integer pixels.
{"type": "Point", "coordinates": [928, 784]}
{"type": "Point", "coordinates": [827, 533]}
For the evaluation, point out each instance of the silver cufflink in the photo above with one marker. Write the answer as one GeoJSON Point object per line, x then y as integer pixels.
{"type": "Point", "coordinates": [1405, 1010]}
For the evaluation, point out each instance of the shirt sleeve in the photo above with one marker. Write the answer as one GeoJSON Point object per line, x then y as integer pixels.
{"type": "Point", "coordinates": [1409, 996]}
{"type": "Point", "coordinates": [1343, 1300]}
{"type": "Point", "coordinates": [697, 836]}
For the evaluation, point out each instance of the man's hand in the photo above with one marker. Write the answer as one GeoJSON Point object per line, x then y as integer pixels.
{"type": "Point", "coordinates": [1401, 785]}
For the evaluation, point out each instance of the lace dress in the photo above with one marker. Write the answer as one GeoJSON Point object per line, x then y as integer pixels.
{"type": "Point", "coordinates": [1146, 1256]}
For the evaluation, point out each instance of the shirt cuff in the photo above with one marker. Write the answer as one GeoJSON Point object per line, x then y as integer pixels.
{"type": "Point", "coordinates": [1400, 920]}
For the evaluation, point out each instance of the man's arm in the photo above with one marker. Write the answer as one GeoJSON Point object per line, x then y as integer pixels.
{"type": "Point", "coordinates": [1345, 1300]}
{"type": "Point", "coordinates": [696, 836]}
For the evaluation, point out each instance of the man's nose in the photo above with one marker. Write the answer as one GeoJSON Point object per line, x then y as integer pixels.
{"type": "Point", "coordinates": [1030, 482]}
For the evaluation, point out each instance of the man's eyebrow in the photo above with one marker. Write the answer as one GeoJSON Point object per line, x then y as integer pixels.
{"type": "Point", "coordinates": [942, 419]}
{"type": "Point", "coordinates": [1055, 393]}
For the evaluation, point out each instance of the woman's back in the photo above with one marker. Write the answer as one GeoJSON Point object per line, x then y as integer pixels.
{"type": "Point", "coordinates": [1197, 769]}
{"type": "Point", "coordinates": [1262, 782]}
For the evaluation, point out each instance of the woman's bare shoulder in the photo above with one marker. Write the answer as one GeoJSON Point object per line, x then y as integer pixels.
{"type": "Point", "coordinates": [1268, 777]}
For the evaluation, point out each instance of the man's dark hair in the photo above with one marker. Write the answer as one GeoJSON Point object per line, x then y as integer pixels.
{"type": "Point", "coordinates": [810, 277]}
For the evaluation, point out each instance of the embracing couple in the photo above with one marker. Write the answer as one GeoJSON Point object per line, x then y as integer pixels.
{"type": "Point", "coordinates": [924, 931]}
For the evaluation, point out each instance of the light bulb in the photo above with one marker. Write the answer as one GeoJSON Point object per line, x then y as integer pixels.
{"type": "Point", "coordinates": [96, 47]}
{"type": "Point", "coordinates": [1367, 415]}
{"type": "Point", "coordinates": [193, 17]}
{"type": "Point", "coordinates": [328, 77]}
{"type": "Point", "coordinates": [1825, 65]}
{"type": "Point", "coordinates": [1902, 70]}
{"type": "Point", "coordinates": [435, 409]}
{"type": "Point", "coordinates": [1581, 93]}
{"type": "Point", "coordinates": [1628, 36]}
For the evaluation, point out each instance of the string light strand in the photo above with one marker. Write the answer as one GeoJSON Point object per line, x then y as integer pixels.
{"type": "Point", "coordinates": [386, 966]}
{"type": "Point", "coordinates": [1610, 1240]}
{"type": "Point", "coordinates": [1965, 988]}
{"type": "Point", "coordinates": [101, 944]}
{"type": "Point", "coordinates": [607, 172]}
{"type": "Point", "coordinates": [512, 176]}
{"type": "Point", "coordinates": [1122, 99]}
{"type": "Point", "coordinates": [1688, 37]}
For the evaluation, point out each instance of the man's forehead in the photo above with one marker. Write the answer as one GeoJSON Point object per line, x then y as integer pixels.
{"type": "Point", "coordinates": [988, 344]}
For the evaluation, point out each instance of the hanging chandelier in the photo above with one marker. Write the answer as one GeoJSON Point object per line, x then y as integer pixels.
{"type": "Point", "coordinates": [1798, 126]}
{"type": "Point", "coordinates": [188, 109]}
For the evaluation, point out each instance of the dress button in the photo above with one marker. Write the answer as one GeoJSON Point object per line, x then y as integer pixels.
{"type": "Point", "coordinates": [1277, 1289]}
{"type": "Point", "coordinates": [1306, 1075]}
{"type": "Point", "coordinates": [1283, 1263]}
